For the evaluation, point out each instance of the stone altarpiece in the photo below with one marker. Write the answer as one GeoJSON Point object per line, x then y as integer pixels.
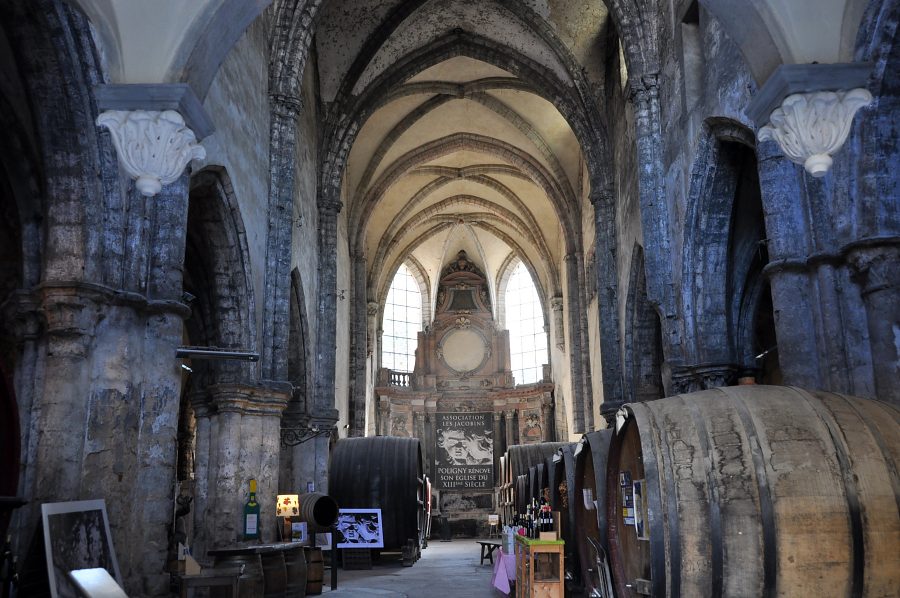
{"type": "Point", "coordinates": [463, 368]}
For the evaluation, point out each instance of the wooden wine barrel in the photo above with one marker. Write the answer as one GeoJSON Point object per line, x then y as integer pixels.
{"type": "Point", "coordinates": [250, 583]}
{"type": "Point", "coordinates": [590, 477]}
{"type": "Point", "coordinates": [521, 496]}
{"type": "Point", "coordinates": [274, 573]}
{"type": "Point", "coordinates": [382, 472]}
{"type": "Point", "coordinates": [553, 467]}
{"type": "Point", "coordinates": [567, 512]}
{"type": "Point", "coordinates": [756, 491]}
{"type": "Point", "coordinates": [319, 510]}
{"type": "Point", "coordinates": [315, 571]}
{"type": "Point", "coordinates": [295, 567]}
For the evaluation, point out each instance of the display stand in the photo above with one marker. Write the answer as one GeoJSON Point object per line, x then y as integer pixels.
{"type": "Point", "coordinates": [539, 568]}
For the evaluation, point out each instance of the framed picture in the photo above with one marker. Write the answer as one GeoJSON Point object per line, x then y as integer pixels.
{"type": "Point", "coordinates": [323, 541]}
{"type": "Point", "coordinates": [76, 536]}
{"type": "Point", "coordinates": [359, 528]}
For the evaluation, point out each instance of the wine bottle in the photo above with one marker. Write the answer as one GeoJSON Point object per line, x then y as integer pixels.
{"type": "Point", "coordinates": [251, 515]}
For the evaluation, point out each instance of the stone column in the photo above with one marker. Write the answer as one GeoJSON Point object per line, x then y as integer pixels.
{"type": "Point", "coordinates": [546, 418]}
{"type": "Point", "coordinates": [71, 314]}
{"type": "Point", "coordinates": [328, 208]}
{"type": "Point", "coordinates": [283, 109]}
{"type": "Point", "coordinates": [655, 209]}
{"type": "Point", "coordinates": [876, 269]}
{"type": "Point", "coordinates": [244, 445]}
{"type": "Point", "coordinates": [359, 326]}
{"type": "Point", "coordinates": [581, 412]}
{"type": "Point", "coordinates": [556, 315]}
{"type": "Point", "coordinates": [498, 450]}
{"type": "Point", "coordinates": [511, 432]}
{"type": "Point", "coordinates": [605, 257]}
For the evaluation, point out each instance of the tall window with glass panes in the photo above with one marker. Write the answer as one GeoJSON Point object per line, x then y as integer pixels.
{"type": "Point", "coordinates": [402, 322]}
{"type": "Point", "coordinates": [525, 322]}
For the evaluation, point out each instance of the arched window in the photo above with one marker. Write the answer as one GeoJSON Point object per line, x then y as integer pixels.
{"type": "Point", "coordinates": [525, 321]}
{"type": "Point", "coordinates": [402, 322]}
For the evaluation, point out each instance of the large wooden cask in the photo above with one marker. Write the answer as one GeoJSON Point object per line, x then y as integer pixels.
{"type": "Point", "coordinates": [382, 472]}
{"type": "Point", "coordinates": [520, 458]}
{"type": "Point", "coordinates": [589, 505]}
{"type": "Point", "coordinates": [756, 491]}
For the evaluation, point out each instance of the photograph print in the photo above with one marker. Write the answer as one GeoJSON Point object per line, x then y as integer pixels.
{"type": "Point", "coordinates": [76, 536]}
{"type": "Point", "coordinates": [359, 528]}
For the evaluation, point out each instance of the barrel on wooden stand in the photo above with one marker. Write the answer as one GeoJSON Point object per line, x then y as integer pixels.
{"type": "Point", "coordinates": [319, 510]}
{"type": "Point", "coordinates": [589, 503]}
{"type": "Point", "coordinates": [274, 573]}
{"type": "Point", "coordinates": [295, 567]}
{"type": "Point", "coordinates": [315, 570]}
{"type": "Point", "coordinates": [382, 472]}
{"type": "Point", "coordinates": [755, 491]}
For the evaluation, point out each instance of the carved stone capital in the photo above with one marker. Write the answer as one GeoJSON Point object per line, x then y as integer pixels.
{"type": "Point", "coordinates": [643, 89]}
{"type": "Point", "coordinates": [248, 399]}
{"type": "Point", "coordinates": [811, 127]}
{"type": "Point", "coordinates": [22, 310]}
{"type": "Point", "coordinates": [875, 266]}
{"type": "Point", "coordinates": [153, 147]}
{"type": "Point", "coordinates": [372, 309]}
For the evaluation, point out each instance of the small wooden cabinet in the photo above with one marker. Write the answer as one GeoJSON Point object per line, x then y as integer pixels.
{"type": "Point", "coordinates": [539, 568]}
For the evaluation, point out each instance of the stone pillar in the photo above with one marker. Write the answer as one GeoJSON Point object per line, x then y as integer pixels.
{"type": "Point", "coordinates": [243, 445]}
{"type": "Point", "coordinates": [23, 312]}
{"type": "Point", "coordinates": [876, 269]}
{"type": "Point", "coordinates": [546, 417]}
{"type": "Point", "coordinates": [329, 207]}
{"type": "Point", "coordinates": [203, 507]}
{"type": "Point", "coordinates": [511, 432]}
{"type": "Point", "coordinates": [605, 257]}
{"type": "Point", "coordinates": [498, 450]}
{"type": "Point", "coordinates": [284, 109]}
{"type": "Point", "coordinates": [71, 314]}
{"type": "Point", "coordinates": [655, 210]}
{"type": "Point", "coordinates": [359, 326]}
{"type": "Point", "coordinates": [556, 316]}
{"type": "Point", "coordinates": [581, 411]}
{"type": "Point", "coordinates": [372, 332]}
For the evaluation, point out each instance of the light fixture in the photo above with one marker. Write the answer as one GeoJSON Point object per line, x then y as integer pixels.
{"type": "Point", "coordinates": [215, 353]}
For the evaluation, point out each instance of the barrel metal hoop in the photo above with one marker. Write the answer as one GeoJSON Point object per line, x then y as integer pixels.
{"type": "Point", "coordinates": [644, 419]}
{"type": "Point", "coordinates": [766, 506]}
{"type": "Point", "coordinates": [715, 515]}
{"type": "Point", "coordinates": [850, 490]}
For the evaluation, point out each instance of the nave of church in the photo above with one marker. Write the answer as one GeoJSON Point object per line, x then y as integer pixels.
{"type": "Point", "coordinates": [240, 239]}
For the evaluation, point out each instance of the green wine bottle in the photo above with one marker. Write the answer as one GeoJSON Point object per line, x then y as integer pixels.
{"type": "Point", "coordinates": [251, 515]}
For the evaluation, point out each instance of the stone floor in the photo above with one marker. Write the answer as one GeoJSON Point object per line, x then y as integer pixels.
{"type": "Point", "coordinates": [446, 570]}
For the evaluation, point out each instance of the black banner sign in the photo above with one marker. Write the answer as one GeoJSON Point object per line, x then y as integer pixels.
{"type": "Point", "coordinates": [464, 450]}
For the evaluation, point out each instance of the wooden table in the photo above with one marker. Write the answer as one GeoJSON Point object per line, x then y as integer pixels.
{"type": "Point", "coordinates": [487, 549]}
{"type": "Point", "coordinates": [263, 565]}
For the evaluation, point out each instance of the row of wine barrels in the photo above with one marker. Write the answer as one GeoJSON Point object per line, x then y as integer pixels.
{"type": "Point", "coordinates": [521, 457]}
{"type": "Point", "coordinates": [755, 491]}
{"type": "Point", "coordinates": [382, 472]}
{"type": "Point", "coordinates": [589, 508]}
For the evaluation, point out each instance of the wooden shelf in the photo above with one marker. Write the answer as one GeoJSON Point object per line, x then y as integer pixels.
{"type": "Point", "coordinates": [540, 568]}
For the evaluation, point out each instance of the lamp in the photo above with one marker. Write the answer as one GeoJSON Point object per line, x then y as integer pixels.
{"type": "Point", "coordinates": [287, 506]}
{"type": "Point", "coordinates": [295, 436]}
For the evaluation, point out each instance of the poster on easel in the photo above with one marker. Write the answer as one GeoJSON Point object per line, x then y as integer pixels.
{"type": "Point", "coordinates": [359, 528]}
{"type": "Point", "coordinates": [77, 536]}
